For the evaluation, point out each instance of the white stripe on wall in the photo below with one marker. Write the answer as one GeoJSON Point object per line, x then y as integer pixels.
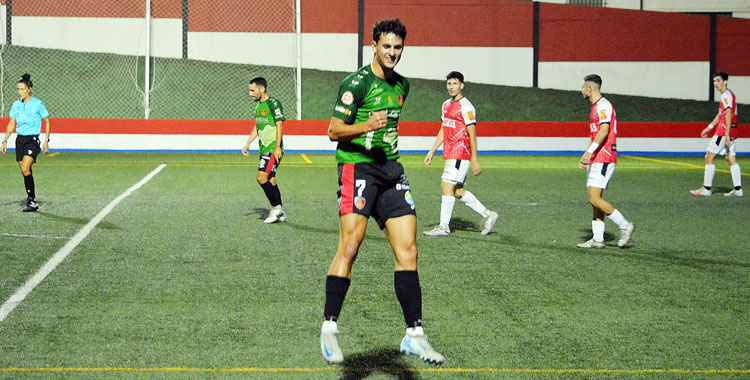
{"type": "Point", "coordinates": [84, 141]}
{"type": "Point", "coordinates": [507, 66]}
{"type": "Point", "coordinates": [268, 49]}
{"type": "Point", "coordinates": [330, 51]}
{"type": "Point", "coordinates": [679, 80]}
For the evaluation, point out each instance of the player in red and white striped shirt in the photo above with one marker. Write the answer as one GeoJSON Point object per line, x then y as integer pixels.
{"type": "Point", "coordinates": [600, 160]}
{"type": "Point", "coordinates": [458, 135]}
{"type": "Point", "coordinates": [723, 141]}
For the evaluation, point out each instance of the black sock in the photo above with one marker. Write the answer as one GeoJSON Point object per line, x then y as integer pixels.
{"type": "Point", "coordinates": [268, 189]}
{"type": "Point", "coordinates": [707, 187]}
{"type": "Point", "coordinates": [276, 195]}
{"type": "Point", "coordinates": [28, 181]}
{"type": "Point", "coordinates": [738, 187]}
{"type": "Point", "coordinates": [336, 288]}
{"type": "Point", "coordinates": [409, 295]}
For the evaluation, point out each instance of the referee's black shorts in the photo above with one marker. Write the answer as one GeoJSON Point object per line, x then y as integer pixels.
{"type": "Point", "coordinates": [27, 146]}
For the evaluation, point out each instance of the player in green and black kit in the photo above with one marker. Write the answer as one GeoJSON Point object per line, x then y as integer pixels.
{"type": "Point", "coordinates": [268, 126]}
{"type": "Point", "coordinates": [373, 183]}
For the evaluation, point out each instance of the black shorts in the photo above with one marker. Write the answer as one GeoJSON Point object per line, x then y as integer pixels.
{"type": "Point", "coordinates": [380, 190]}
{"type": "Point", "coordinates": [27, 146]}
{"type": "Point", "coordinates": [268, 164]}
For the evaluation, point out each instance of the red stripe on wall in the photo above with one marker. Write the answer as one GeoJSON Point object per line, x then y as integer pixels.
{"type": "Point", "coordinates": [570, 33]}
{"type": "Point", "coordinates": [732, 41]}
{"type": "Point", "coordinates": [503, 23]}
{"type": "Point", "coordinates": [406, 128]}
{"type": "Point", "coordinates": [268, 16]}
{"type": "Point", "coordinates": [98, 8]}
{"type": "Point", "coordinates": [329, 16]}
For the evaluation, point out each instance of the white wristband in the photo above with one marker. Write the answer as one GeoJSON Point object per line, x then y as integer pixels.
{"type": "Point", "coordinates": [710, 126]}
{"type": "Point", "coordinates": [592, 147]}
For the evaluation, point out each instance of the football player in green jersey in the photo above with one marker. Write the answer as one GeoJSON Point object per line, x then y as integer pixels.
{"type": "Point", "coordinates": [372, 183]}
{"type": "Point", "coordinates": [269, 117]}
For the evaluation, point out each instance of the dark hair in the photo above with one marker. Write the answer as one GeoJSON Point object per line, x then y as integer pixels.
{"type": "Point", "coordinates": [26, 79]}
{"type": "Point", "coordinates": [593, 78]}
{"type": "Point", "coordinates": [393, 25]}
{"type": "Point", "coordinates": [723, 75]}
{"type": "Point", "coordinates": [455, 75]}
{"type": "Point", "coordinates": [259, 81]}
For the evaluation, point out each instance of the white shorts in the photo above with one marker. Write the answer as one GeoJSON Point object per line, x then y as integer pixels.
{"type": "Point", "coordinates": [717, 145]}
{"type": "Point", "coordinates": [455, 171]}
{"type": "Point", "coordinates": [599, 174]}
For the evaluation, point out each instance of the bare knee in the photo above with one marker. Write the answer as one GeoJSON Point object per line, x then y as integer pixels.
{"type": "Point", "coordinates": [261, 178]}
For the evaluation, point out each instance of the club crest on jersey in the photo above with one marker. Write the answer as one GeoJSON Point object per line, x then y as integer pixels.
{"type": "Point", "coordinates": [409, 199]}
{"type": "Point", "coordinates": [401, 100]}
{"type": "Point", "coordinates": [359, 203]}
{"type": "Point", "coordinates": [347, 98]}
{"type": "Point", "coordinates": [263, 112]}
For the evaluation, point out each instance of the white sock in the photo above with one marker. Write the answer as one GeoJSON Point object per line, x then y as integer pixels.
{"type": "Point", "coordinates": [708, 175]}
{"type": "Point", "coordinates": [618, 219]}
{"type": "Point", "coordinates": [597, 227]}
{"type": "Point", "coordinates": [736, 175]}
{"type": "Point", "coordinates": [470, 200]}
{"type": "Point", "coordinates": [446, 209]}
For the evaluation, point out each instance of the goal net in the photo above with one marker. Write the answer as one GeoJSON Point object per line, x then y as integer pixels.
{"type": "Point", "coordinates": [87, 58]}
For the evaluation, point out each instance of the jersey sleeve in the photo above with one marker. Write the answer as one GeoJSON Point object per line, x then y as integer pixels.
{"type": "Point", "coordinates": [469, 113]}
{"type": "Point", "coordinates": [726, 100]}
{"type": "Point", "coordinates": [276, 110]}
{"type": "Point", "coordinates": [604, 112]}
{"type": "Point", "coordinates": [13, 114]}
{"type": "Point", "coordinates": [43, 113]}
{"type": "Point", "coordinates": [351, 94]}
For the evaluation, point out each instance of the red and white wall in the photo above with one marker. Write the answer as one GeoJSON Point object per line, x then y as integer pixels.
{"type": "Point", "coordinates": [490, 41]}
{"type": "Point", "coordinates": [509, 137]}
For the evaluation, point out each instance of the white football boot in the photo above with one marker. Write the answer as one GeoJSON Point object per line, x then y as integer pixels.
{"type": "Point", "coordinates": [734, 193]}
{"type": "Point", "coordinates": [625, 235]}
{"type": "Point", "coordinates": [592, 244]}
{"type": "Point", "coordinates": [276, 214]}
{"type": "Point", "coordinates": [439, 230]}
{"type": "Point", "coordinates": [702, 192]}
{"type": "Point", "coordinates": [489, 222]}
{"type": "Point", "coordinates": [329, 344]}
{"type": "Point", "coordinates": [415, 343]}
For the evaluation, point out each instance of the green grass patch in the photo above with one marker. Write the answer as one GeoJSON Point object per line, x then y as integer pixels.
{"type": "Point", "coordinates": [184, 274]}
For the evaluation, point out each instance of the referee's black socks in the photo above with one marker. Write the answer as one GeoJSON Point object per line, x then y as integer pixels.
{"type": "Point", "coordinates": [28, 181]}
{"type": "Point", "coordinates": [409, 295]}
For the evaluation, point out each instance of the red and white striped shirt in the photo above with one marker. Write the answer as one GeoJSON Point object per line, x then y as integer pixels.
{"type": "Point", "coordinates": [456, 116]}
{"type": "Point", "coordinates": [602, 112]}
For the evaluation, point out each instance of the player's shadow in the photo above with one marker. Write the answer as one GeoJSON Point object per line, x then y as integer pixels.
{"type": "Point", "coordinates": [458, 224]}
{"type": "Point", "coordinates": [382, 361]}
{"type": "Point", "coordinates": [81, 221]}
{"type": "Point", "coordinates": [586, 235]}
{"type": "Point", "coordinates": [261, 212]}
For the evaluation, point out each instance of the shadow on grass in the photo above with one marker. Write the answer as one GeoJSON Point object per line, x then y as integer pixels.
{"type": "Point", "coordinates": [382, 361]}
{"type": "Point", "coordinates": [81, 221]}
{"type": "Point", "coordinates": [261, 212]}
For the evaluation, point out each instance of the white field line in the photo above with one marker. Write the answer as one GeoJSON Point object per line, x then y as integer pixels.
{"type": "Point", "coordinates": [58, 257]}
{"type": "Point", "coordinates": [32, 236]}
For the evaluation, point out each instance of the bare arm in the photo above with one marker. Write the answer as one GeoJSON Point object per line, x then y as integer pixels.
{"type": "Point", "coordinates": [279, 133]}
{"type": "Point", "coordinates": [338, 130]}
{"type": "Point", "coordinates": [727, 125]}
{"type": "Point", "coordinates": [472, 129]}
{"type": "Point", "coordinates": [45, 146]}
{"type": "Point", "coordinates": [8, 131]}
{"type": "Point", "coordinates": [253, 135]}
{"type": "Point", "coordinates": [438, 142]}
{"type": "Point", "coordinates": [598, 140]}
{"type": "Point", "coordinates": [711, 125]}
